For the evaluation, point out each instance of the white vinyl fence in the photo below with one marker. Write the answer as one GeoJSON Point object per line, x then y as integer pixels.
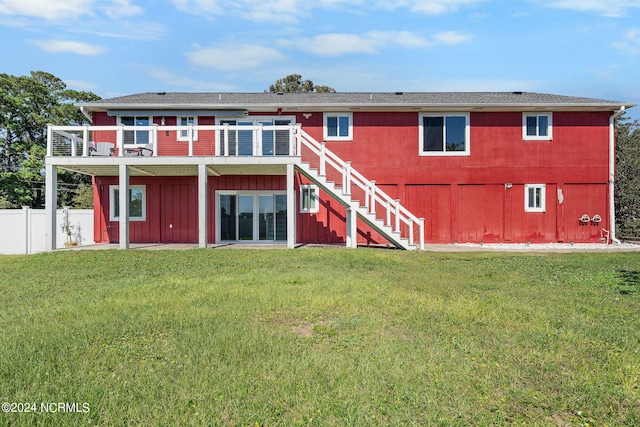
{"type": "Point", "coordinates": [22, 231]}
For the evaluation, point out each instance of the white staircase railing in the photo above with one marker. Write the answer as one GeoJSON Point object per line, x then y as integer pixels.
{"type": "Point", "coordinates": [373, 202]}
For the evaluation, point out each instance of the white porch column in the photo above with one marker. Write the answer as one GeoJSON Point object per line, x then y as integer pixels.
{"type": "Point", "coordinates": [50, 205]}
{"type": "Point", "coordinates": [123, 188]}
{"type": "Point", "coordinates": [352, 228]}
{"type": "Point", "coordinates": [202, 205]}
{"type": "Point", "coordinates": [291, 207]}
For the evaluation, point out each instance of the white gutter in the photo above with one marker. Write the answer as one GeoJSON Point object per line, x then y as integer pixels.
{"type": "Point", "coordinates": [86, 113]}
{"type": "Point", "coordinates": [612, 174]}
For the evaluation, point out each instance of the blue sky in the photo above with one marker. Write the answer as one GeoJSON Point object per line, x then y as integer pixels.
{"type": "Point", "coordinates": [116, 47]}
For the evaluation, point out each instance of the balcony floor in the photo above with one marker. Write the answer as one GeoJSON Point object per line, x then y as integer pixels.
{"type": "Point", "coordinates": [175, 166]}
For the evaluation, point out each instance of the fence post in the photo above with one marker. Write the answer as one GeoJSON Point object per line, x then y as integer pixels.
{"type": "Point", "coordinates": [397, 213]}
{"type": "Point", "coordinates": [297, 140]}
{"type": "Point", "coordinates": [49, 141]}
{"type": "Point", "coordinates": [372, 206]}
{"type": "Point", "coordinates": [154, 139]}
{"type": "Point", "coordinates": [85, 141]}
{"type": "Point", "coordinates": [323, 158]}
{"type": "Point", "coordinates": [346, 179]}
{"type": "Point", "coordinates": [411, 240]}
{"type": "Point", "coordinates": [388, 222]}
{"type": "Point", "coordinates": [422, 234]}
{"type": "Point", "coordinates": [27, 229]}
{"type": "Point", "coordinates": [226, 139]}
{"type": "Point", "coordinates": [120, 140]}
{"type": "Point", "coordinates": [257, 145]}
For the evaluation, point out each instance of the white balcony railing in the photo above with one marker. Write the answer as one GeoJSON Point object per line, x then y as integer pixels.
{"type": "Point", "coordinates": [219, 140]}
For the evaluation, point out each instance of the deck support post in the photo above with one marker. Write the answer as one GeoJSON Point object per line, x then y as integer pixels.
{"type": "Point", "coordinates": [124, 197]}
{"type": "Point", "coordinates": [352, 227]}
{"type": "Point", "coordinates": [50, 205]}
{"type": "Point", "coordinates": [291, 206]}
{"type": "Point", "coordinates": [202, 205]}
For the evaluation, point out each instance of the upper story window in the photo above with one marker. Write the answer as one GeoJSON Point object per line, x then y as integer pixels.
{"type": "Point", "coordinates": [338, 126]}
{"type": "Point", "coordinates": [534, 198]}
{"type": "Point", "coordinates": [537, 126]}
{"type": "Point", "coordinates": [136, 137]}
{"type": "Point", "coordinates": [183, 134]}
{"type": "Point", "coordinates": [444, 134]}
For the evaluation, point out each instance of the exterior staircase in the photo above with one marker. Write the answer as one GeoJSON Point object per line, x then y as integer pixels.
{"type": "Point", "coordinates": [361, 197]}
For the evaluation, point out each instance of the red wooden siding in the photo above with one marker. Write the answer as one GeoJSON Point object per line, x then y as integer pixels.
{"type": "Point", "coordinates": [579, 199]}
{"type": "Point", "coordinates": [178, 213]}
{"type": "Point", "coordinates": [433, 202]}
{"type": "Point", "coordinates": [326, 226]}
{"type": "Point", "coordinates": [171, 211]}
{"type": "Point", "coordinates": [476, 198]}
{"type": "Point", "coordinates": [172, 206]}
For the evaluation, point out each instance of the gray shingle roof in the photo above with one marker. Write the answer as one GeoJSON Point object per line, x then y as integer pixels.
{"type": "Point", "coordinates": [349, 99]}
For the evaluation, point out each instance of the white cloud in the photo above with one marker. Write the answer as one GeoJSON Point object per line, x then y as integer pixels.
{"type": "Point", "coordinates": [338, 44]}
{"type": "Point", "coordinates": [198, 7]}
{"type": "Point", "coordinates": [168, 78]}
{"type": "Point", "coordinates": [291, 10]}
{"type": "Point", "coordinates": [630, 43]}
{"type": "Point", "coordinates": [335, 44]}
{"type": "Point", "coordinates": [70, 46]}
{"type": "Point", "coordinates": [612, 8]}
{"type": "Point", "coordinates": [47, 9]}
{"type": "Point", "coordinates": [119, 8]}
{"type": "Point", "coordinates": [438, 7]}
{"type": "Point", "coordinates": [452, 37]}
{"type": "Point", "coordinates": [53, 10]}
{"type": "Point", "coordinates": [125, 30]}
{"type": "Point", "coordinates": [234, 57]}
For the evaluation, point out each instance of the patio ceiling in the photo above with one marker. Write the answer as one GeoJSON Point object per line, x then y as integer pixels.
{"type": "Point", "coordinates": [163, 166]}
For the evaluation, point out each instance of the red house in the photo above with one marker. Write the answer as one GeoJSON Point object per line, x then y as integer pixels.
{"type": "Point", "coordinates": [401, 169]}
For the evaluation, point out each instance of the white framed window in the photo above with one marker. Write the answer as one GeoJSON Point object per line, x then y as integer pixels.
{"type": "Point", "coordinates": [137, 203]}
{"type": "Point", "coordinates": [537, 126]}
{"type": "Point", "coordinates": [444, 134]}
{"type": "Point", "coordinates": [534, 197]}
{"type": "Point", "coordinates": [309, 202]}
{"type": "Point", "coordinates": [338, 127]}
{"type": "Point", "coordinates": [183, 134]}
{"type": "Point", "coordinates": [136, 137]}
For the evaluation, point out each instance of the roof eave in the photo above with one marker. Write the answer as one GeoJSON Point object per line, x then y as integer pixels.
{"type": "Point", "coordinates": [363, 106]}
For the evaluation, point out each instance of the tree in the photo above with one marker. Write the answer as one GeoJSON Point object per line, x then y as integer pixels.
{"type": "Point", "coordinates": [27, 105]}
{"type": "Point", "coordinates": [627, 184]}
{"type": "Point", "coordinates": [293, 83]}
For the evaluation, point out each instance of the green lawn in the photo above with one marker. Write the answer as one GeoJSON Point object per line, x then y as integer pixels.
{"type": "Point", "coordinates": [321, 337]}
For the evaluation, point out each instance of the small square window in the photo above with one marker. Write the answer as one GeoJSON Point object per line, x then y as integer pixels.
{"type": "Point", "coordinates": [534, 197]}
{"type": "Point", "coordinates": [536, 126]}
{"type": "Point", "coordinates": [338, 127]}
{"type": "Point", "coordinates": [309, 199]}
{"type": "Point", "coordinates": [183, 134]}
{"type": "Point", "coordinates": [137, 203]}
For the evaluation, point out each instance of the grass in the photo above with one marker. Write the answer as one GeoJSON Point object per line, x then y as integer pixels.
{"type": "Point", "coordinates": [321, 337]}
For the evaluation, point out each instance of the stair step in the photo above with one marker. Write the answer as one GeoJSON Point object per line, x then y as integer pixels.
{"type": "Point", "coordinates": [371, 218]}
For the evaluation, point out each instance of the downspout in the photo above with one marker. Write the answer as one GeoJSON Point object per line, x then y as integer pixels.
{"type": "Point", "coordinates": [86, 114]}
{"type": "Point", "coordinates": [612, 174]}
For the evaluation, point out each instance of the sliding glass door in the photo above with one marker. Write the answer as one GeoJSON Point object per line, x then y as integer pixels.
{"type": "Point", "coordinates": [252, 217]}
{"type": "Point", "coordinates": [241, 142]}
